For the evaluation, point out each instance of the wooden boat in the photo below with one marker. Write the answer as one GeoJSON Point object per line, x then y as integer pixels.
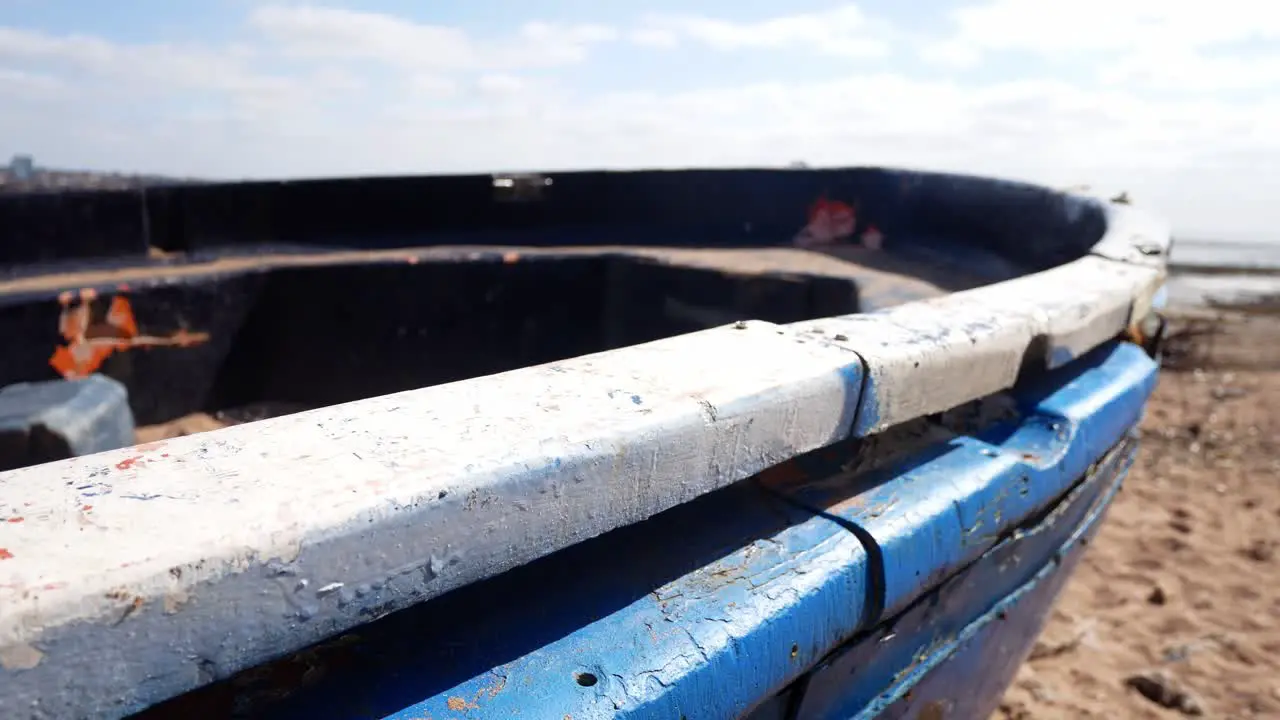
{"type": "Point", "coordinates": [696, 444]}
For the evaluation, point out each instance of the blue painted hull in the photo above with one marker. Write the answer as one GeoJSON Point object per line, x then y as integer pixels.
{"type": "Point", "coordinates": [905, 577]}
{"type": "Point", "coordinates": [955, 651]}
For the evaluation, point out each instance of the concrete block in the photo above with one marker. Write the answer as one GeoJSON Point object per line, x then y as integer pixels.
{"type": "Point", "coordinates": [45, 421]}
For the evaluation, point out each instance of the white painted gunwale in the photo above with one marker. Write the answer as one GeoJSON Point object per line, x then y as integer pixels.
{"type": "Point", "coordinates": [204, 555]}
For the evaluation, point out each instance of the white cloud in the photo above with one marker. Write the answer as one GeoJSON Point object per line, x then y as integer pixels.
{"type": "Point", "coordinates": [30, 85]}
{"type": "Point", "coordinates": [167, 66]}
{"type": "Point", "coordinates": [844, 31]}
{"type": "Point", "coordinates": [501, 84]}
{"type": "Point", "coordinates": [659, 37]}
{"type": "Point", "coordinates": [1177, 45]}
{"type": "Point", "coordinates": [319, 91]}
{"type": "Point", "coordinates": [1110, 25]}
{"type": "Point", "coordinates": [329, 33]}
{"type": "Point", "coordinates": [1182, 69]}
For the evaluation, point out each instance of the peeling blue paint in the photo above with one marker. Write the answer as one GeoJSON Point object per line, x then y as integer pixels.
{"type": "Point", "coordinates": [829, 590]}
{"type": "Point", "coordinates": [665, 634]}
{"type": "Point", "coordinates": [956, 501]}
{"type": "Point", "coordinates": [879, 676]}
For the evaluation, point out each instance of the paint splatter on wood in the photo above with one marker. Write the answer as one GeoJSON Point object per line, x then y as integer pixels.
{"type": "Point", "coordinates": [90, 340]}
{"type": "Point", "coordinates": [128, 463]}
{"type": "Point", "coordinates": [830, 221]}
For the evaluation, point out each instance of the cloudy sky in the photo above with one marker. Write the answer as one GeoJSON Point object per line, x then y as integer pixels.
{"type": "Point", "coordinates": [1177, 102]}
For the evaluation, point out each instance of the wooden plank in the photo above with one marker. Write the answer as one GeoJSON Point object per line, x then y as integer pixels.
{"type": "Point", "coordinates": [134, 575]}
{"type": "Point", "coordinates": [929, 356]}
{"type": "Point", "coordinates": [932, 355]}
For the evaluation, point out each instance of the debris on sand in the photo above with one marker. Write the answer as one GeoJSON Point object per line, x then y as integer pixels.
{"type": "Point", "coordinates": [1263, 550]}
{"type": "Point", "coordinates": [1162, 689]}
{"type": "Point", "coordinates": [1182, 576]}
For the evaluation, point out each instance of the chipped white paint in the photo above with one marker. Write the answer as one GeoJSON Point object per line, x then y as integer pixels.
{"type": "Point", "coordinates": [932, 355]}
{"type": "Point", "coordinates": [137, 574]}
{"type": "Point", "coordinates": [1134, 237]}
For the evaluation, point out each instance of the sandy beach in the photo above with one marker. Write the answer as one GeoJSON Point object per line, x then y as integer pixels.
{"type": "Point", "coordinates": [1175, 611]}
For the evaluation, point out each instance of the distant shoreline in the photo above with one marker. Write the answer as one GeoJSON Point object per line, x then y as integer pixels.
{"type": "Point", "coordinates": [1216, 259]}
{"type": "Point", "coordinates": [1208, 269]}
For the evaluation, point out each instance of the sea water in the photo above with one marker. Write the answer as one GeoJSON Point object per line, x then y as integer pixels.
{"type": "Point", "coordinates": [1224, 272]}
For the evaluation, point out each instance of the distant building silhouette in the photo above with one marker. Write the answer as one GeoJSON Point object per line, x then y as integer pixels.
{"type": "Point", "coordinates": [23, 167]}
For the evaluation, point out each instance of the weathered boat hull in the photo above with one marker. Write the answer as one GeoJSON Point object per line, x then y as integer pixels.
{"type": "Point", "coordinates": [809, 592]}
{"type": "Point", "coordinates": [651, 510]}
